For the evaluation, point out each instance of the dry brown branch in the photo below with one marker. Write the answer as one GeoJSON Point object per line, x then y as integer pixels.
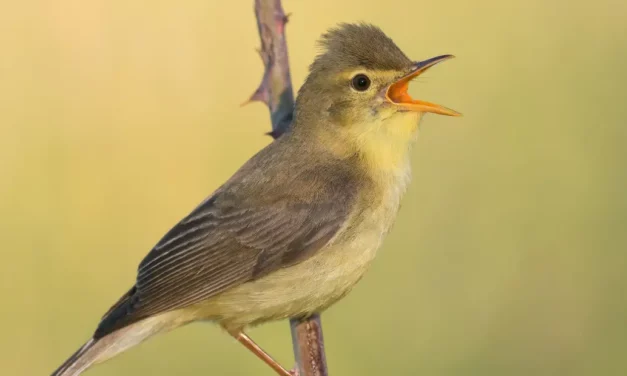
{"type": "Point", "coordinates": [277, 93]}
{"type": "Point", "coordinates": [275, 89]}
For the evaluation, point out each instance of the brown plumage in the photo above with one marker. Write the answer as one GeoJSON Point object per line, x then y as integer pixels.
{"type": "Point", "coordinates": [296, 227]}
{"type": "Point", "coordinates": [245, 230]}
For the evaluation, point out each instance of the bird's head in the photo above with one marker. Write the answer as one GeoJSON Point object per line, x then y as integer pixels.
{"type": "Point", "coordinates": [359, 84]}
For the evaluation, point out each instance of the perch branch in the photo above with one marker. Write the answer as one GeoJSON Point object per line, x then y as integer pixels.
{"type": "Point", "coordinates": [275, 89]}
{"type": "Point", "coordinates": [309, 346]}
{"type": "Point", "coordinates": [276, 92]}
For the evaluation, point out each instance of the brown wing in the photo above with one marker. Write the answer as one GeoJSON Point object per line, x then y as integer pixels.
{"type": "Point", "coordinates": [233, 238]}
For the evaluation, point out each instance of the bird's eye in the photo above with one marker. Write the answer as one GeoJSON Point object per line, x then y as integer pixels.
{"type": "Point", "coordinates": [361, 82]}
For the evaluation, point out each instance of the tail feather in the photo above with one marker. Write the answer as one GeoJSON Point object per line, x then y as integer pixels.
{"type": "Point", "coordinates": [77, 362]}
{"type": "Point", "coordinates": [97, 350]}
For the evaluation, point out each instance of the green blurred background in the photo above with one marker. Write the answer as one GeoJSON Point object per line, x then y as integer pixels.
{"type": "Point", "coordinates": [508, 257]}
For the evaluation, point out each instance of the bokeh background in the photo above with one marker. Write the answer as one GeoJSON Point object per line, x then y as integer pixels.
{"type": "Point", "coordinates": [508, 257]}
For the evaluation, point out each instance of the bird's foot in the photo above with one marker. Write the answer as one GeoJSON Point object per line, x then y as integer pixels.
{"type": "Point", "coordinates": [294, 371]}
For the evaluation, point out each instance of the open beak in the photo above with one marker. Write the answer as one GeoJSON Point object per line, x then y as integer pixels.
{"type": "Point", "coordinates": [397, 92]}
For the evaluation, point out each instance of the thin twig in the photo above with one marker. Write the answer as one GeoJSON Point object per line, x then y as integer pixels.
{"type": "Point", "coordinates": [275, 89]}
{"type": "Point", "coordinates": [309, 346]}
{"type": "Point", "coordinates": [276, 92]}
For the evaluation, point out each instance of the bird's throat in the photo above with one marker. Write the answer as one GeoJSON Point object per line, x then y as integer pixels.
{"type": "Point", "coordinates": [386, 147]}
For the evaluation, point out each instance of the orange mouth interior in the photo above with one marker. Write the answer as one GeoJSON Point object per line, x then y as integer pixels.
{"type": "Point", "coordinates": [397, 92]}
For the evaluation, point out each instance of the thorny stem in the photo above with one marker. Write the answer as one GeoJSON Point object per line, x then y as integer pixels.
{"type": "Point", "coordinates": [275, 89]}
{"type": "Point", "coordinates": [309, 346]}
{"type": "Point", "coordinates": [276, 92]}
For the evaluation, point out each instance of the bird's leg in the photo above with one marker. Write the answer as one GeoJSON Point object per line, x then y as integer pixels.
{"type": "Point", "coordinates": [245, 340]}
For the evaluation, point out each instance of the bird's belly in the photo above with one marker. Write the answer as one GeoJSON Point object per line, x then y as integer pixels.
{"type": "Point", "coordinates": [301, 289]}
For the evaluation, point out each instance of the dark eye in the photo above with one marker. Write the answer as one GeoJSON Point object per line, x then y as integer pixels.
{"type": "Point", "coordinates": [361, 82]}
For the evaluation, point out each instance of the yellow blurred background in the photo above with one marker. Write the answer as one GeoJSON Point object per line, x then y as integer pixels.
{"type": "Point", "coordinates": [508, 257]}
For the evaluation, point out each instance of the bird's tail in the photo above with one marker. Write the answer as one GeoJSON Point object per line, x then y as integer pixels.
{"type": "Point", "coordinates": [78, 361]}
{"type": "Point", "coordinates": [100, 349]}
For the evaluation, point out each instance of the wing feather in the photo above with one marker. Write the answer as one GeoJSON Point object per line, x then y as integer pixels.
{"type": "Point", "coordinates": [236, 236]}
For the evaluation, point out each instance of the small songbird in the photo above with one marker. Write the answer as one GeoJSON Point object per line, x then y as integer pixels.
{"type": "Point", "coordinates": [296, 227]}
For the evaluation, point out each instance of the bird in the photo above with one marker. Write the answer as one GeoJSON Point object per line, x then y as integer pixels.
{"type": "Point", "coordinates": [297, 226]}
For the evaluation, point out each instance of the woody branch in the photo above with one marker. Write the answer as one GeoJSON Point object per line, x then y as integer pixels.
{"type": "Point", "coordinates": [277, 93]}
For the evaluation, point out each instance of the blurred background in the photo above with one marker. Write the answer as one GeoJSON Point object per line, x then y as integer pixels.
{"type": "Point", "coordinates": [508, 257]}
